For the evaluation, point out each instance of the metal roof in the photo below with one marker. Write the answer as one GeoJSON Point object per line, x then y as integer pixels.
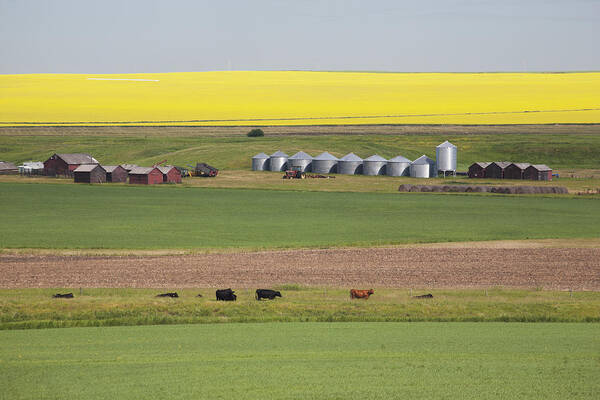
{"type": "Point", "coordinates": [446, 144]}
{"type": "Point", "coordinates": [279, 154]}
{"type": "Point", "coordinates": [141, 170]}
{"type": "Point", "coordinates": [261, 156]}
{"type": "Point", "coordinates": [351, 157]}
{"type": "Point", "coordinates": [7, 165]}
{"type": "Point", "coordinates": [375, 157]}
{"type": "Point", "coordinates": [300, 156]}
{"type": "Point", "coordinates": [86, 168]}
{"type": "Point", "coordinates": [521, 165]}
{"type": "Point", "coordinates": [325, 157]}
{"type": "Point", "coordinates": [78, 158]}
{"type": "Point", "coordinates": [399, 159]}
{"type": "Point", "coordinates": [34, 164]}
{"type": "Point", "coordinates": [501, 164]}
{"type": "Point", "coordinates": [110, 168]}
{"type": "Point", "coordinates": [541, 167]}
{"type": "Point", "coordinates": [481, 164]}
{"type": "Point", "coordinates": [423, 160]}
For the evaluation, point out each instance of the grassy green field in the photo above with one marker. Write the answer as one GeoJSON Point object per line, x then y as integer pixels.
{"type": "Point", "coordinates": [170, 217]}
{"type": "Point", "coordinates": [304, 361]}
{"type": "Point", "coordinates": [35, 308]}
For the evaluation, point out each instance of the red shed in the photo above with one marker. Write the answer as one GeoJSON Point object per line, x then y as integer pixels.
{"type": "Point", "coordinates": [515, 170]}
{"type": "Point", "coordinates": [538, 172]}
{"type": "Point", "coordinates": [495, 170]}
{"type": "Point", "coordinates": [65, 164]}
{"type": "Point", "coordinates": [170, 174]}
{"type": "Point", "coordinates": [89, 173]}
{"type": "Point", "coordinates": [145, 176]}
{"type": "Point", "coordinates": [115, 173]}
{"type": "Point", "coordinates": [477, 170]}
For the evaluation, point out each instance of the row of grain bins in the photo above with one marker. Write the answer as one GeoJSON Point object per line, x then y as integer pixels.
{"type": "Point", "coordinates": [351, 164]}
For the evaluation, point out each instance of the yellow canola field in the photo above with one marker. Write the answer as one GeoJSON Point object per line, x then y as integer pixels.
{"type": "Point", "coordinates": [299, 98]}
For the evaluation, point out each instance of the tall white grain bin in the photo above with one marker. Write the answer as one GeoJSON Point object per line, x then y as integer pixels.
{"type": "Point", "coordinates": [300, 161]}
{"type": "Point", "coordinates": [398, 166]}
{"type": "Point", "coordinates": [445, 156]}
{"type": "Point", "coordinates": [374, 165]}
{"type": "Point", "coordinates": [422, 167]}
{"type": "Point", "coordinates": [324, 163]}
{"type": "Point", "coordinates": [260, 162]}
{"type": "Point", "coordinates": [278, 161]}
{"type": "Point", "coordinates": [350, 164]}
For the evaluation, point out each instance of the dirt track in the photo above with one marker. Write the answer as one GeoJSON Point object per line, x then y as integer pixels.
{"type": "Point", "coordinates": [419, 267]}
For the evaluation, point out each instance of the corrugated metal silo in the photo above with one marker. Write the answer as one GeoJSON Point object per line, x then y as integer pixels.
{"type": "Point", "coordinates": [398, 166]}
{"type": "Point", "coordinates": [278, 161]}
{"type": "Point", "coordinates": [260, 162]}
{"type": "Point", "coordinates": [445, 156]}
{"type": "Point", "coordinates": [422, 167]}
{"type": "Point", "coordinates": [374, 165]}
{"type": "Point", "coordinates": [324, 163]}
{"type": "Point", "coordinates": [350, 164]}
{"type": "Point", "coordinates": [300, 161]}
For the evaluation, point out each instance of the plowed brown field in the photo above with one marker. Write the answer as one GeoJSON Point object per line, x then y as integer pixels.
{"type": "Point", "coordinates": [419, 267]}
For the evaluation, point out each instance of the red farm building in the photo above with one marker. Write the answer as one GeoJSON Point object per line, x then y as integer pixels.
{"type": "Point", "coordinates": [170, 174]}
{"type": "Point", "coordinates": [89, 173]}
{"type": "Point", "coordinates": [477, 170]}
{"type": "Point", "coordinates": [115, 173]}
{"type": "Point", "coordinates": [145, 176]}
{"type": "Point", "coordinates": [495, 170]}
{"type": "Point", "coordinates": [65, 164]}
{"type": "Point", "coordinates": [515, 170]}
{"type": "Point", "coordinates": [538, 172]}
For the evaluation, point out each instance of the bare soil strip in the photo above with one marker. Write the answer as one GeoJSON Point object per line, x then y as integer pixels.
{"type": "Point", "coordinates": [552, 268]}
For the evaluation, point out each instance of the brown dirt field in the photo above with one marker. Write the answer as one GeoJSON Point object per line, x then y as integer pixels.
{"type": "Point", "coordinates": [401, 267]}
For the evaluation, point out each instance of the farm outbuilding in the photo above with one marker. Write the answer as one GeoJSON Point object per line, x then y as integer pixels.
{"type": "Point", "coordinates": [170, 174]}
{"type": "Point", "coordinates": [300, 161]}
{"type": "Point", "coordinates": [128, 167]}
{"type": "Point", "coordinates": [445, 158]}
{"type": "Point", "coordinates": [423, 167]}
{"type": "Point", "coordinates": [260, 162]}
{"type": "Point", "coordinates": [278, 161]}
{"type": "Point", "coordinates": [495, 170]}
{"type": "Point", "coordinates": [115, 173]}
{"type": "Point", "coordinates": [65, 164]}
{"type": "Point", "coordinates": [350, 164]}
{"type": "Point", "coordinates": [31, 168]}
{"type": "Point", "coordinates": [89, 173]}
{"type": "Point", "coordinates": [8, 168]}
{"type": "Point", "coordinates": [515, 170]}
{"type": "Point", "coordinates": [477, 170]}
{"type": "Point", "coordinates": [398, 166]}
{"type": "Point", "coordinates": [324, 163]}
{"type": "Point", "coordinates": [145, 176]}
{"type": "Point", "coordinates": [538, 172]}
{"type": "Point", "coordinates": [374, 165]}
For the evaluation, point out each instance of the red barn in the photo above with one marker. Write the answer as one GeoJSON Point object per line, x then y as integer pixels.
{"type": "Point", "coordinates": [515, 170]}
{"type": "Point", "coordinates": [89, 173]}
{"type": "Point", "coordinates": [115, 173]}
{"type": "Point", "coordinates": [145, 176]}
{"type": "Point", "coordinates": [65, 164]}
{"type": "Point", "coordinates": [538, 172]}
{"type": "Point", "coordinates": [170, 174]}
{"type": "Point", "coordinates": [477, 170]}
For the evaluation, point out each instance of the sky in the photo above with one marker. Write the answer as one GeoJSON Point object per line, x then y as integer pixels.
{"type": "Point", "coordinates": [132, 36]}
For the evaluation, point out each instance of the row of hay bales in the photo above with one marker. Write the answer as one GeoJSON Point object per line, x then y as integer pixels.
{"type": "Point", "coordinates": [350, 164]}
{"type": "Point", "coordinates": [484, 189]}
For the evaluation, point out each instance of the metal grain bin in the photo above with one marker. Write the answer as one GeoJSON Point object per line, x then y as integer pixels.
{"type": "Point", "coordinates": [423, 167]}
{"type": "Point", "coordinates": [278, 161]}
{"type": "Point", "coordinates": [374, 165]}
{"type": "Point", "coordinates": [324, 163]}
{"type": "Point", "coordinates": [445, 156]}
{"type": "Point", "coordinates": [260, 162]}
{"type": "Point", "coordinates": [350, 164]}
{"type": "Point", "coordinates": [300, 161]}
{"type": "Point", "coordinates": [398, 166]}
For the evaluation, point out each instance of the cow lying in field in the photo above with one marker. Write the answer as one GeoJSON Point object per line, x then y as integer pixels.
{"type": "Point", "coordinates": [267, 294]}
{"type": "Point", "coordinates": [174, 294]}
{"type": "Point", "coordinates": [361, 294]}
{"type": "Point", "coordinates": [424, 296]}
{"type": "Point", "coordinates": [63, 296]}
{"type": "Point", "coordinates": [225, 295]}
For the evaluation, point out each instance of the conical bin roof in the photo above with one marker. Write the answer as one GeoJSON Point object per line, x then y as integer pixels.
{"type": "Point", "coordinates": [301, 156]}
{"type": "Point", "coordinates": [279, 154]}
{"type": "Point", "coordinates": [325, 157]}
{"type": "Point", "coordinates": [261, 156]}
{"type": "Point", "coordinates": [375, 157]}
{"type": "Point", "coordinates": [423, 160]}
{"type": "Point", "coordinates": [399, 159]}
{"type": "Point", "coordinates": [446, 144]}
{"type": "Point", "coordinates": [351, 157]}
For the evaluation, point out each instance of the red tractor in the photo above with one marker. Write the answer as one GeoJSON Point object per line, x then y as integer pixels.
{"type": "Point", "coordinates": [294, 173]}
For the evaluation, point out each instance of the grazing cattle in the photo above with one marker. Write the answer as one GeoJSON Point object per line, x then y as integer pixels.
{"type": "Point", "coordinates": [199, 295]}
{"type": "Point", "coordinates": [63, 296]}
{"type": "Point", "coordinates": [174, 294]}
{"type": "Point", "coordinates": [267, 294]}
{"type": "Point", "coordinates": [424, 296]}
{"type": "Point", "coordinates": [225, 295]}
{"type": "Point", "coordinates": [361, 294]}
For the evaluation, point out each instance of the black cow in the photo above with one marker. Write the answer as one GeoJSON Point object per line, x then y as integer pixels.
{"type": "Point", "coordinates": [225, 295]}
{"type": "Point", "coordinates": [63, 296]}
{"type": "Point", "coordinates": [267, 294]}
{"type": "Point", "coordinates": [174, 294]}
{"type": "Point", "coordinates": [424, 296]}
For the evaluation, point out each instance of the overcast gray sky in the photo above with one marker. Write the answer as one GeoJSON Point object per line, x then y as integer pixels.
{"type": "Point", "coordinates": [124, 36]}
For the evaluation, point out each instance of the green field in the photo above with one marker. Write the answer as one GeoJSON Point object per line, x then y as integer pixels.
{"type": "Point", "coordinates": [304, 361]}
{"type": "Point", "coordinates": [170, 217]}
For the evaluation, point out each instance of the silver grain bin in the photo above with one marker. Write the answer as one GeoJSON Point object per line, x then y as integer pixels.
{"type": "Point", "coordinates": [278, 161]}
{"type": "Point", "coordinates": [350, 164]}
{"type": "Point", "coordinates": [445, 156]}
{"type": "Point", "coordinates": [260, 162]}
{"type": "Point", "coordinates": [324, 163]}
{"type": "Point", "coordinates": [398, 166]}
{"type": "Point", "coordinates": [374, 165]}
{"type": "Point", "coordinates": [422, 167]}
{"type": "Point", "coordinates": [300, 161]}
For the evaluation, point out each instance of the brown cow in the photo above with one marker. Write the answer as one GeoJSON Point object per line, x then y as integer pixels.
{"type": "Point", "coordinates": [360, 294]}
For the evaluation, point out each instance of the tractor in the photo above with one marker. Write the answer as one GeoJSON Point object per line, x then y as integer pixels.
{"type": "Point", "coordinates": [294, 173]}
